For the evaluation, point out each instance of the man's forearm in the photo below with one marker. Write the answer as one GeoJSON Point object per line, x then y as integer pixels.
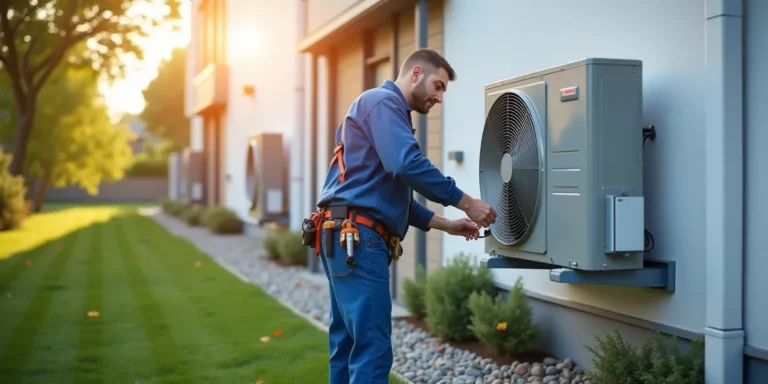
{"type": "Point", "coordinates": [464, 202]}
{"type": "Point", "coordinates": [439, 222]}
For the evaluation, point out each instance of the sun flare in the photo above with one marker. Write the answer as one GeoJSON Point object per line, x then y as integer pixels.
{"type": "Point", "coordinates": [124, 96]}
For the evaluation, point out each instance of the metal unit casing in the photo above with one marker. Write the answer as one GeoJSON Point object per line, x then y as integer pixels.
{"type": "Point", "coordinates": [589, 134]}
{"type": "Point", "coordinates": [266, 178]}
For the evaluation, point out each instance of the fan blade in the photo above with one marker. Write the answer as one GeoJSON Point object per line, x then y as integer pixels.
{"type": "Point", "coordinates": [518, 225]}
{"type": "Point", "coordinates": [494, 123]}
{"type": "Point", "coordinates": [500, 229]}
{"type": "Point", "coordinates": [526, 183]}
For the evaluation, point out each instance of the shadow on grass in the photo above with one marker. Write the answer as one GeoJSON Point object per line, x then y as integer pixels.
{"type": "Point", "coordinates": [98, 293]}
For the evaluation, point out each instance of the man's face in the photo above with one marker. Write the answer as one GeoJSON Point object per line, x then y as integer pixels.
{"type": "Point", "coordinates": [427, 88]}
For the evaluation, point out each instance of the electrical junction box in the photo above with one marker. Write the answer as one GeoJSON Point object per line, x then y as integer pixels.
{"type": "Point", "coordinates": [624, 221]}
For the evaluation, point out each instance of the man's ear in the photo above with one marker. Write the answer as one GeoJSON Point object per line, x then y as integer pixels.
{"type": "Point", "coordinates": [416, 72]}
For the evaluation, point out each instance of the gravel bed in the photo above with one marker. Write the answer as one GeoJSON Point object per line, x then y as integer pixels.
{"type": "Point", "coordinates": [419, 357]}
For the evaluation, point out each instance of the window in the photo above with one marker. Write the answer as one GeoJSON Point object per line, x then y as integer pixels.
{"type": "Point", "coordinates": [382, 72]}
{"type": "Point", "coordinates": [210, 32]}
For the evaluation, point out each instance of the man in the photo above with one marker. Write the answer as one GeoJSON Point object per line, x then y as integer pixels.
{"type": "Point", "coordinates": [377, 166]}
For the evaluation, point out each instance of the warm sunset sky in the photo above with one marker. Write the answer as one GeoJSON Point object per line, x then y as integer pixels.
{"type": "Point", "coordinates": [124, 96]}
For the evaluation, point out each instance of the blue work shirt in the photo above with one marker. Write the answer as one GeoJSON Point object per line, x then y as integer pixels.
{"type": "Point", "coordinates": [384, 164]}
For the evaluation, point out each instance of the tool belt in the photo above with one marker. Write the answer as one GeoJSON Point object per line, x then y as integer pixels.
{"type": "Point", "coordinates": [334, 218]}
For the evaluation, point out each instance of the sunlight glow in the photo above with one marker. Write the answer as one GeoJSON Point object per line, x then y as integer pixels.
{"type": "Point", "coordinates": [246, 43]}
{"type": "Point", "coordinates": [125, 95]}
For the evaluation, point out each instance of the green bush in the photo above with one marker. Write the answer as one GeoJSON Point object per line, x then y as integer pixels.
{"type": "Point", "coordinates": [447, 296]}
{"type": "Point", "coordinates": [291, 250]}
{"type": "Point", "coordinates": [658, 361]}
{"type": "Point", "coordinates": [193, 214]}
{"type": "Point", "coordinates": [173, 208]}
{"type": "Point", "coordinates": [413, 293]}
{"type": "Point", "coordinates": [222, 220]}
{"type": "Point", "coordinates": [148, 167]}
{"type": "Point", "coordinates": [272, 244]}
{"type": "Point", "coordinates": [505, 325]}
{"type": "Point", "coordinates": [13, 205]}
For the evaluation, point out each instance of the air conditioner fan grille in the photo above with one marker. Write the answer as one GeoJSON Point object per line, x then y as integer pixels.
{"type": "Point", "coordinates": [510, 167]}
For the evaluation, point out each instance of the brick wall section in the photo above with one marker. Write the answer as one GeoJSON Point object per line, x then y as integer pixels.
{"type": "Point", "coordinates": [133, 189]}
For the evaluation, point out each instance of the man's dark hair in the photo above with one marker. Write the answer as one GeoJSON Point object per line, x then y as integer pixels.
{"type": "Point", "coordinates": [428, 59]}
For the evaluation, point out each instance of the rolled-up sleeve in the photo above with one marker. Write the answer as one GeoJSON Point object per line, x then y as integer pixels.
{"type": "Point", "coordinates": [420, 216]}
{"type": "Point", "coordinates": [390, 132]}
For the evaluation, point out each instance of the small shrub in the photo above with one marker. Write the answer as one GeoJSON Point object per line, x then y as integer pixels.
{"type": "Point", "coordinates": [658, 361]}
{"type": "Point", "coordinates": [148, 167]}
{"type": "Point", "coordinates": [222, 220]}
{"type": "Point", "coordinates": [14, 208]}
{"type": "Point", "coordinates": [193, 214]}
{"type": "Point", "coordinates": [272, 244]}
{"type": "Point", "coordinates": [447, 295]}
{"type": "Point", "coordinates": [291, 250]}
{"type": "Point", "coordinates": [413, 294]}
{"type": "Point", "coordinates": [505, 325]}
{"type": "Point", "coordinates": [164, 203]}
{"type": "Point", "coordinates": [173, 208]}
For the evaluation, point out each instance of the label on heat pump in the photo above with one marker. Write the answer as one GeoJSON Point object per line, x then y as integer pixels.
{"type": "Point", "coordinates": [570, 93]}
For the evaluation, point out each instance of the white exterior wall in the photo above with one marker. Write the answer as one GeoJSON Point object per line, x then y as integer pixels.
{"type": "Point", "coordinates": [503, 39]}
{"type": "Point", "coordinates": [261, 52]}
{"type": "Point", "coordinates": [755, 174]}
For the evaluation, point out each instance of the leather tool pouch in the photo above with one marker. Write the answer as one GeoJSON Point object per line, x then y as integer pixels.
{"type": "Point", "coordinates": [310, 228]}
{"type": "Point", "coordinates": [338, 212]}
{"type": "Point", "coordinates": [395, 249]}
{"type": "Point", "coordinates": [308, 233]}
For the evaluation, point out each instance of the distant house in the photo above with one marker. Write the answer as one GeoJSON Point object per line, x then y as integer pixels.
{"type": "Point", "coordinates": [143, 137]}
{"type": "Point", "coordinates": [242, 80]}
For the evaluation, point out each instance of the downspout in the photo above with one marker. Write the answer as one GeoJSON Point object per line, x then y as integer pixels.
{"type": "Point", "coordinates": [724, 164]}
{"type": "Point", "coordinates": [421, 42]}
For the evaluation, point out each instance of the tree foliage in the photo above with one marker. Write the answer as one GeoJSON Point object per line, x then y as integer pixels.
{"type": "Point", "coordinates": [37, 35]}
{"type": "Point", "coordinates": [73, 141]}
{"type": "Point", "coordinates": [164, 111]}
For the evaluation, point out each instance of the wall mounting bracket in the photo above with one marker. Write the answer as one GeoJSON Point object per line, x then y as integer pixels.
{"type": "Point", "coordinates": [659, 274]}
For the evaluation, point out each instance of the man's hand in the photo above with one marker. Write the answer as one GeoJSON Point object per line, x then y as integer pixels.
{"type": "Point", "coordinates": [463, 227]}
{"type": "Point", "coordinates": [478, 211]}
{"type": "Point", "coordinates": [457, 227]}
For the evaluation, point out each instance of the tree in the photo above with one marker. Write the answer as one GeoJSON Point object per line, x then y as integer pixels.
{"type": "Point", "coordinates": [164, 111]}
{"type": "Point", "coordinates": [73, 141]}
{"type": "Point", "coordinates": [37, 35]}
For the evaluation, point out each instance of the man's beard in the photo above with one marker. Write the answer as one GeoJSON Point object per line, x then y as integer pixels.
{"type": "Point", "coordinates": [419, 96]}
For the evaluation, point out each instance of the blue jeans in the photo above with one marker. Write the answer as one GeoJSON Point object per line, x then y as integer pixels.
{"type": "Point", "coordinates": [360, 333]}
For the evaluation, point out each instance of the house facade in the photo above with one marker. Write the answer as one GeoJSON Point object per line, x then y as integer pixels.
{"type": "Point", "coordinates": [244, 77]}
{"type": "Point", "coordinates": [703, 66]}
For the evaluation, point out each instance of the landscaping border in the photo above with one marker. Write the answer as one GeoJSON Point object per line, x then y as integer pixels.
{"type": "Point", "coordinates": [155, 215]}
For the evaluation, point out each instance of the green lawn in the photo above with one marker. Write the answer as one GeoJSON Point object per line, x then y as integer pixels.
{"type": "Point", "coordinates": [162, 318]}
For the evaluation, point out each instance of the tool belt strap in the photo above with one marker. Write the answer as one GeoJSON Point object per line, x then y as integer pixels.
{"type": "Point", "coordinates": [339, 156]}
{"type": "Point", "coordinates": [357, 218]}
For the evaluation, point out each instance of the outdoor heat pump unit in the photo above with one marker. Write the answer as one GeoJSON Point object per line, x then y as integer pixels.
{"type": "Point", "coordinates": [561, 161]}
{"type": "Point", "coordinates": [266, 178]}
